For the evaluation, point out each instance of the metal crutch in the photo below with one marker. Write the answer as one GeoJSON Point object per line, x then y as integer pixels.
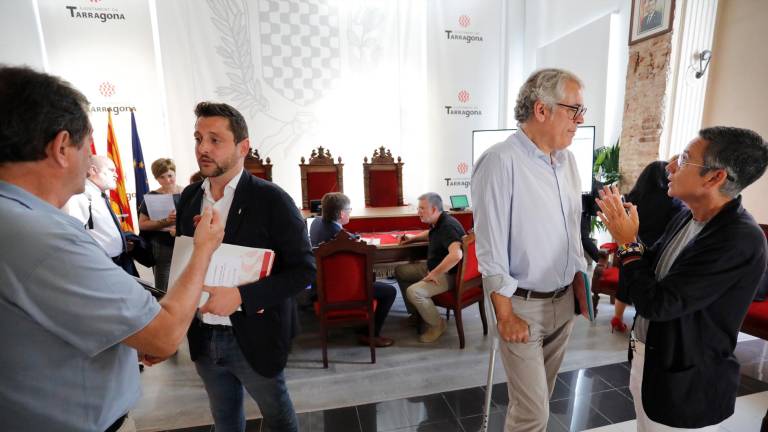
{"type": "Point", "coordinates": [491, 367]}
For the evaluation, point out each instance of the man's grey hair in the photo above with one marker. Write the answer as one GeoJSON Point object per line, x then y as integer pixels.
{"type": "Point", "coordinates": [546, 85]}
{"type": "Point", "coordinates": [433, 199]}
{"type": "Point", "coordinates": [742, 153]}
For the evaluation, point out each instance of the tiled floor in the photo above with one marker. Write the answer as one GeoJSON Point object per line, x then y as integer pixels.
{"type": "Point", "coordinates": [591, 398]}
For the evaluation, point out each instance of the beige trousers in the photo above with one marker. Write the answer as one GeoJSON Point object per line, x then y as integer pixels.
{"type": "Point", "coordinates": [532, 367]}
{"type": "Point", "coordinates": [418, 294]}
{"type": "Point", "coordinates": [128, 425]}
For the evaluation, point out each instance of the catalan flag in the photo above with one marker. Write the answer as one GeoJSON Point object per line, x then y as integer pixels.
{"type": "Point", "coordinates": [118, 196]}
{"type": "Point", "coordinates": [139, 170]}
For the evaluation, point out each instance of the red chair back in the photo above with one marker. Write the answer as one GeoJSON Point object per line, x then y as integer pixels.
{"type": "Point", "coordinates": [256, 166]}
{"type": "Point", "coordinates": [383, 179]}
{"type": "Point", "coordinates": [344, 274]}
{"type": "Point", "coordinates": [319, 176]}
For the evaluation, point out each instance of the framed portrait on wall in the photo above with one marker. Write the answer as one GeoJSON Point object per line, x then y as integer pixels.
{"type": "Point", "coordinates": [650, 18]}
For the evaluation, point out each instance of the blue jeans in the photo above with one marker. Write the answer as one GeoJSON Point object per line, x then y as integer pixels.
{"type": "Point", "coordinates": [225, 372]}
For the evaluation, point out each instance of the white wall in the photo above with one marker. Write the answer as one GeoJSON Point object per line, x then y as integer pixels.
{"type": "Point", "coordinates": [574, 34]}
{"type": "Point", "coordinates": [19, 36]}
{"type": "Point", "coordinates": [737, 90]}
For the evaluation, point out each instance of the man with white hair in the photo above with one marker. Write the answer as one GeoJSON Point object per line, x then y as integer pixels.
{"type": "Point", "coordinates": [93, 209]}
{"type": "Point", "coordinates": [527, 210]}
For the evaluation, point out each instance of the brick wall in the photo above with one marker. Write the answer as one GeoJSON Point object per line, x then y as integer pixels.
{"type": "Point", "coordinates": [647, 77]}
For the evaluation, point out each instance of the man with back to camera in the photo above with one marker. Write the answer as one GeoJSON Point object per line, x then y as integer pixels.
{"type": "Point", "coordinates": [70, 319]}
{"type": "Point", "coordinates": [527, 211]}
{"type": "Point", "coordinates": [420, 281]}
{"type": "Point", "coordinates": [247, 345]}
{"type": "Point", "coordinates": [692, 288]}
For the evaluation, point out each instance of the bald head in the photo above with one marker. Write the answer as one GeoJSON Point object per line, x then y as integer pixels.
{"type": "Point", "coordinates": [102, 172]}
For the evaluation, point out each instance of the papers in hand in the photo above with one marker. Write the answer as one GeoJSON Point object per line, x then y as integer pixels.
{"type": "Point", "coordinates": [231, 266]}
{"type": "Point", "coordinates": [159, 206]}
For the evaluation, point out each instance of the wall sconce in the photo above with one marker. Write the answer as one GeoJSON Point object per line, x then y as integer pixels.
{"type": "Point", "coordinates": [704, 58]}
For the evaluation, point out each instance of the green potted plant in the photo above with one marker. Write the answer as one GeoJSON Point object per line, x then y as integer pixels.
{"type": "Point", "coordinates": [606, 170]}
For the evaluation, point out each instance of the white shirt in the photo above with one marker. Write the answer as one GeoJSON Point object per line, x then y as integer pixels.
{"type": "Point", "coordinates": [104, 231]}
{"type": "Point", "coordinates": [527, 213]}
{"type": "Point", "coordinates": [222, 206]}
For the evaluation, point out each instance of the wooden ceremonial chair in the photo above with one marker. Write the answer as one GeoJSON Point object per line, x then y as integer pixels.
{"type": "Point", "coordinates": [605, 279]}
{"type": "Point", "coordinates": [320, 176]}
{"type": "Point", "coordinates": [468, 289]}
{"type": "Point", "coordinates": [383, 179]}
{"type": "Point", "coordinates": [345, 287]}
{"type": "Point", "coordinates": [258, 167]}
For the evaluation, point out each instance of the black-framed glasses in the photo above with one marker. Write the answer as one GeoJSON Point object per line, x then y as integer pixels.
{"type": "Point", "coordinates": [578, 110]}
{"type": "Point", "coordinates": [682, 159]}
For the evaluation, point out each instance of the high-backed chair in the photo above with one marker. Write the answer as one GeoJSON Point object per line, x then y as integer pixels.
{"type": "Point", "coordinates": [320, 176]}
{"type": "Point", "coordinates": [468, 289]}
{"type": "Point", "coordinates": [383, 179]}
{"type": "Point", "coordinates": [345, 287]}
{"type": "Point", "coordinates": [258, 167]}
{"type": "Point", "coordinates": [605, 279]}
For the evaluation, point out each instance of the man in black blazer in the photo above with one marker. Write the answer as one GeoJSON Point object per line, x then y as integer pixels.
{"type": "Point", "coordinates": [692, 289]}
{"type": "Point", "coordinates": [242, 335]}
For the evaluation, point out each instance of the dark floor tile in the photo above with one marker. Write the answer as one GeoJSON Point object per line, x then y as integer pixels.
{"type": "Point", "coordinates": [617, 375]}
{"type": "Point", "coordinates": [402, 413]}
{"type": "Point", "coordinates": [207, 428]}
{"type": "Point", "coordinates": [749, 385]}
{"type": "Point", "coordinates": [625, 391]}
{"type": "Point", "coordinates": [576, 414]}
{"type": "Point", "coordinates": [467, 402]}
{"type": "Point", "coordinates": [473, 423]}
{"type": "Point", "coordinates": [583, 381]}
{"type": "Point", "coordinates": [500, 394]}
{"type": "Point", "coordinates": [340, 419]}
{"type": "Point", "coordinates": [253, 425]}
{"type": "Point", "coordinates": [613, 405]}
{"type": "Point", "coordinates": [561, 390]}
{"type": "Point", "coordinates": [554, 425]}
{"type": "Point", "coordinates": [441, 426]}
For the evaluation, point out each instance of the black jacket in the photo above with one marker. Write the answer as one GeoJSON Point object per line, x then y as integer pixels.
{"type": "Point", "coordinates": [690, 375]}
{"type": "Point", "coordinates": [263, 216]}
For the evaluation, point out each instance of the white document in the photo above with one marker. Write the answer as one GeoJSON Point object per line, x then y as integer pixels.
{"type": "Point", "coordinates": [371, 240]}
{"type": "Point", "coordinates": [159, 206]}
{"type": "Point", "coordinates": [231, 266]}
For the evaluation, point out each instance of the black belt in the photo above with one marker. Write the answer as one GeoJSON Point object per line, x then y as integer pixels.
{"type": "Point", "coordinates": [530, 294]}
{"type": "Point", "coordinates": [117, 424]}
{"type": "Point", "coordinates": [216, 327]}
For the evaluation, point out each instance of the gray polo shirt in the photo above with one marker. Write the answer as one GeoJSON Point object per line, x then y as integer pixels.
{"type": "Point", "coordinates": [64, 309]}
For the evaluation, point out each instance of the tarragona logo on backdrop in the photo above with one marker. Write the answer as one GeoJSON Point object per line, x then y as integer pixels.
{"type": "Point", "coordinates": [95, 13]}
{"type": "Point", "coordinates": [463, 96]}
{"type": "Point", "coordinates": [463, 33]}
{"type": "Point", "coordinates": [107, 90]}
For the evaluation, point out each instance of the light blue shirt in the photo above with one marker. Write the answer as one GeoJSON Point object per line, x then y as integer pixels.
{"type": "Point", "coordinates": [527, 213]}
{"type": "Point", "coordinates": [65, 307]}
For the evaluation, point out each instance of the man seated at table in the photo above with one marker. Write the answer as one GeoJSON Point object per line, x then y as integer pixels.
{"type": "Point", "coordinates": [420, 281]}
{"type": "Point", "coordinates": [335, 213]}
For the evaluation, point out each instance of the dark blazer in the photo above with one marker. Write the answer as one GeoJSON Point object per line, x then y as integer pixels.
{"type": "Point", "coordinates": [690, 375]}
{"type": "Point", "coordinates": [263, 216]}
{"type": "Point", "coordinates": [321, 231]}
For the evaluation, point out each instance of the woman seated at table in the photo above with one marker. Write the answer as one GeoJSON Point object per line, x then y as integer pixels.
{"type": "Point", "coordinates": [335, 213]}
{"type": "Point", "coordinates": [160, 233]}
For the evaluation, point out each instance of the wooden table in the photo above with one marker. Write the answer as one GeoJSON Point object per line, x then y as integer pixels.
{"type": "Point", "coordinates": [384, 219]}
{"type": "Point", "coordinates": [389, 249]}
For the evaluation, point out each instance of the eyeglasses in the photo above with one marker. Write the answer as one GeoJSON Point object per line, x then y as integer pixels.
{"type": "Point", "coordinates": [578, 110]}
{"type": "Point", "coordinates": [682, 159]}
{"type": "Point", "coordinates": [347, 209]}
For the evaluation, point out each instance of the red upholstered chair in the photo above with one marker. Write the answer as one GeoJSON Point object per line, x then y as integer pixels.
{"type": "Point", "coordinates": [383, 179]}
{"type": "Point", "coordinates": [320, 176]}
{"type": "Point", "coordinates": [605, 279]}
{"type": "Point", "coordinates": [345, 287]}
{"type": "Point", "coordinates": [468, 289]}
{"type": "Point", "coordinates": [258, 167]}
